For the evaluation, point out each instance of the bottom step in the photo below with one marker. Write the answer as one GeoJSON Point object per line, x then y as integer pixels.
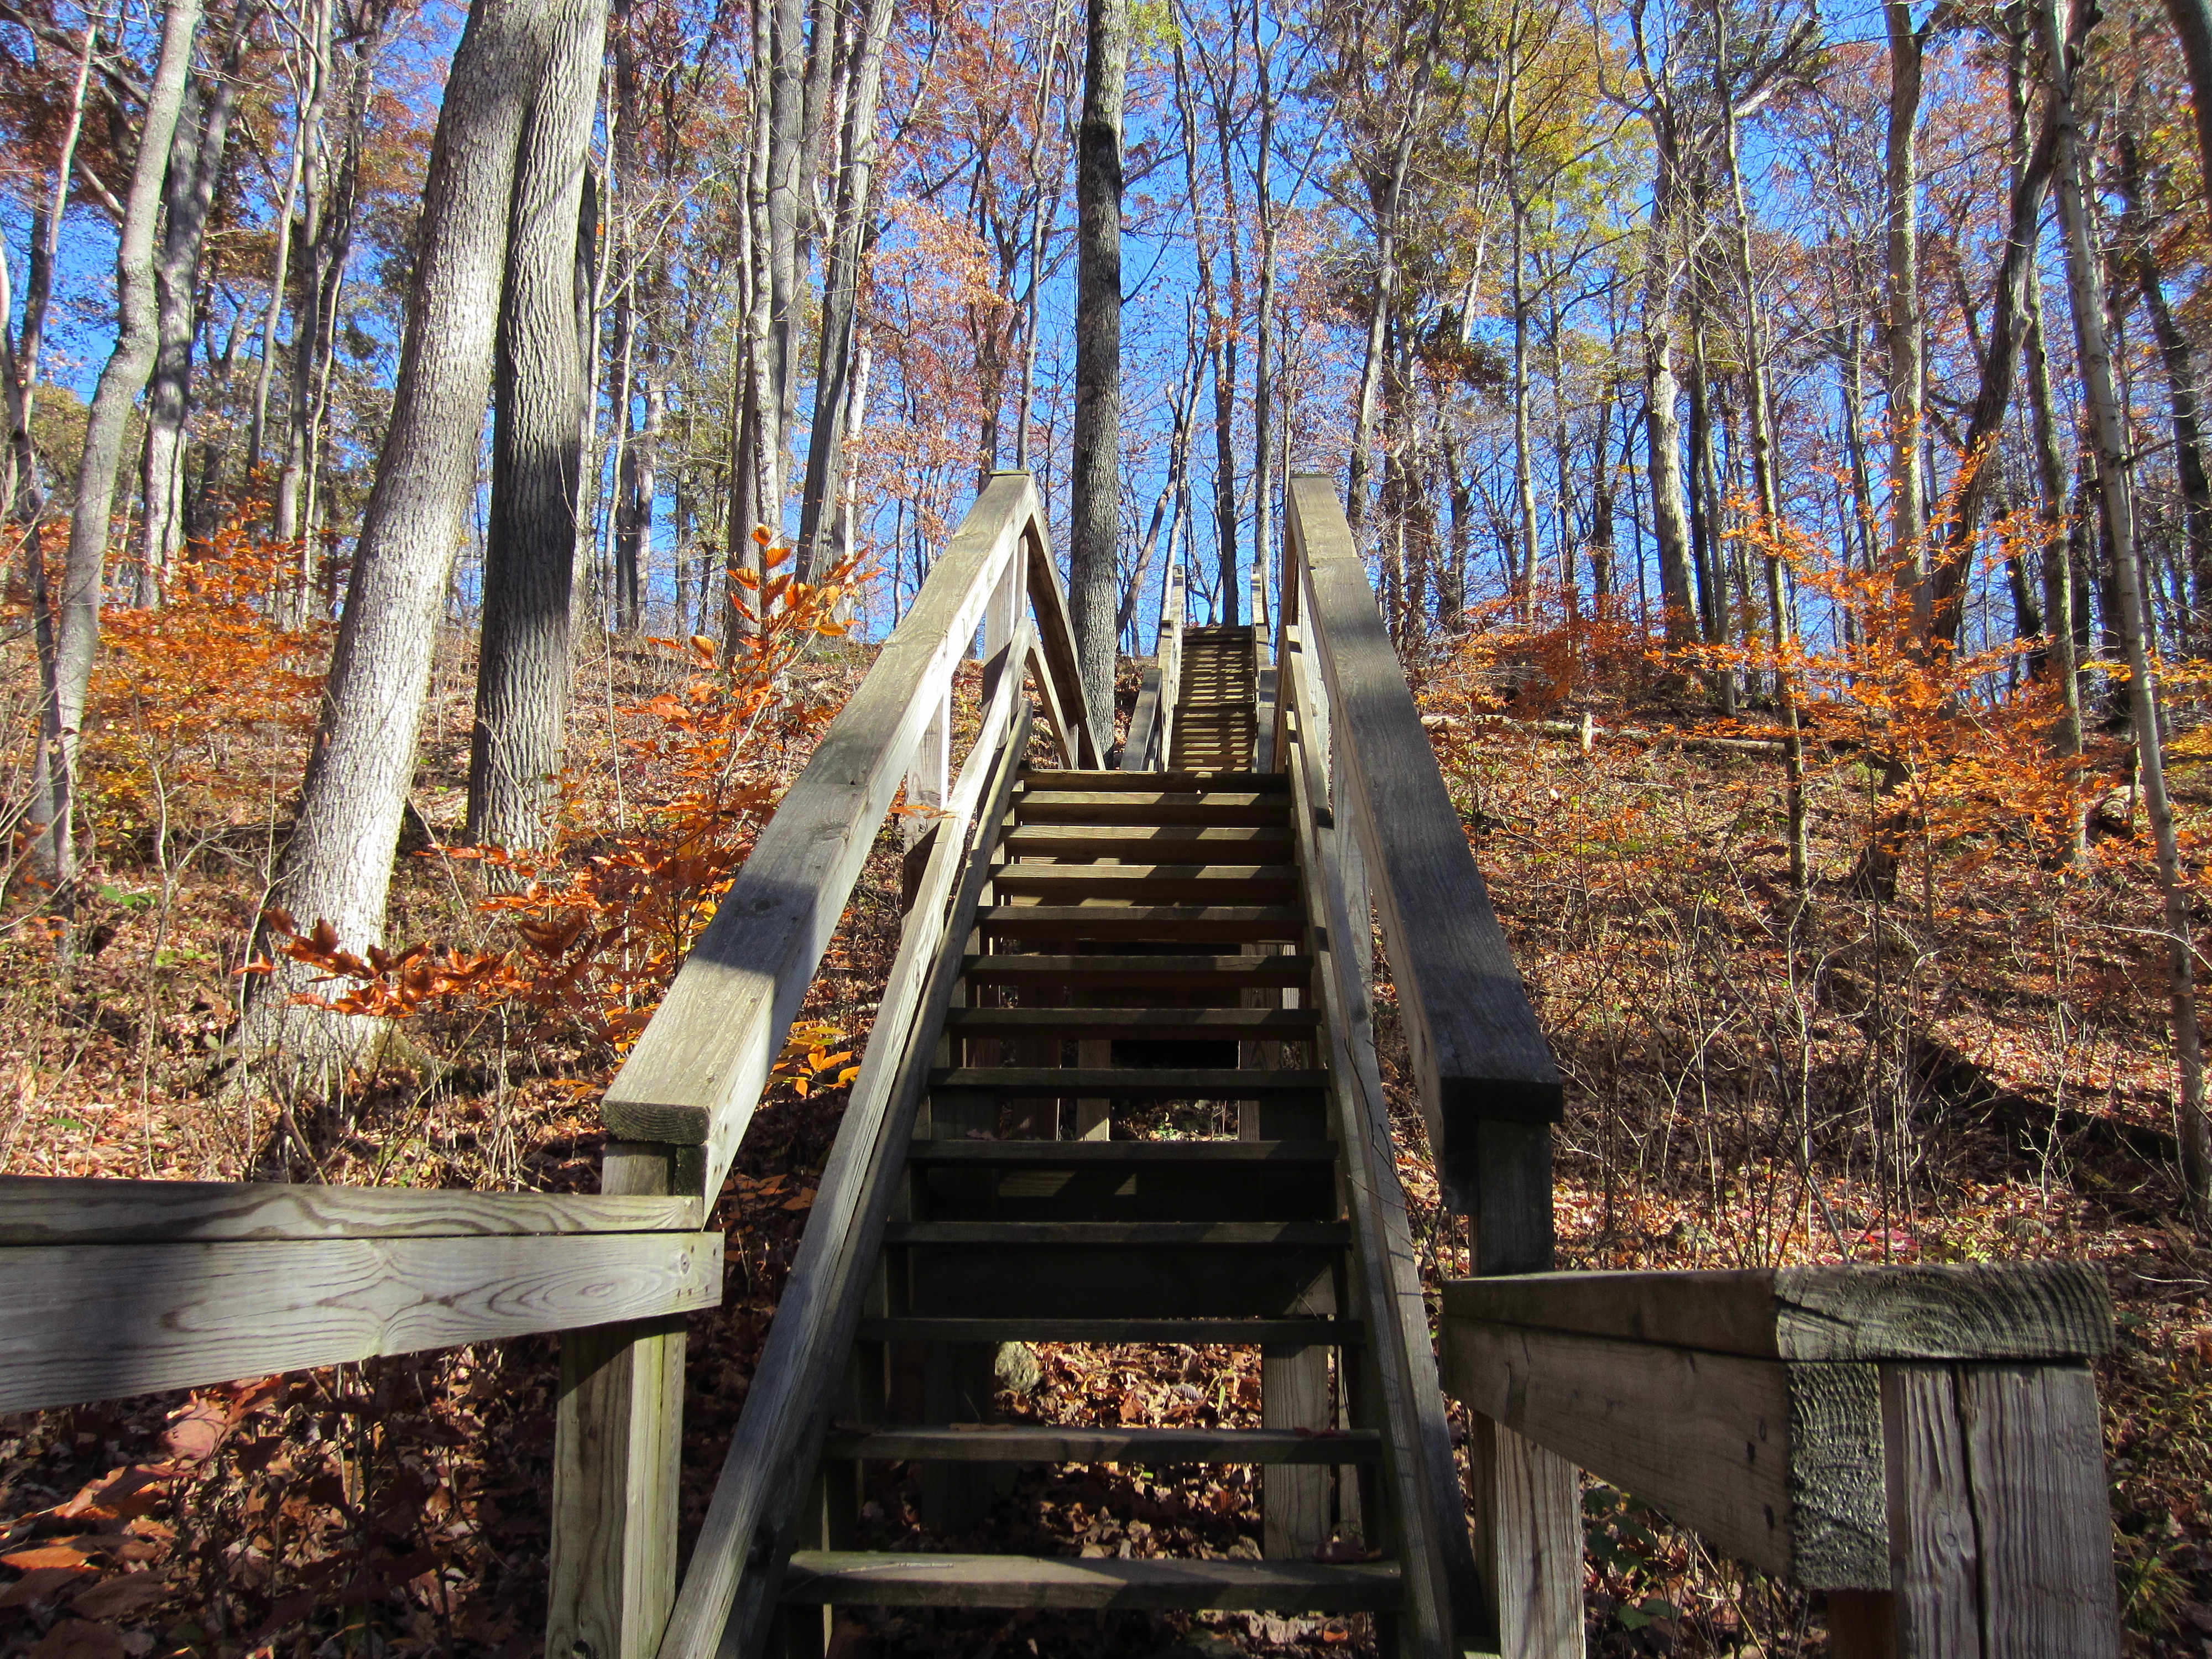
{"type": "Point", "coordinates": [900, 1579]}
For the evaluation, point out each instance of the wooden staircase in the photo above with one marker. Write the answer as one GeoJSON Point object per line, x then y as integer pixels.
{"type": "Point", "coordinates": [1216, 717]}
{"type": "Point", "coordinates": [1127, 1140]}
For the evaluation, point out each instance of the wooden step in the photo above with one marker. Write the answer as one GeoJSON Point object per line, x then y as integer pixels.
{"type": "Point", "coordinates": [904, 1578]}
{"type": "Point", "coordinates": [1011, 1443]}
{"type": "Point", "coordinates": [1100, 806]}
{"type": "Point", "coordinates": [1161, 972]}
{"type": "Point", "coordinates": [1114, 1333]}
{"type": "Point", "coordinates": [1128, 1083]}
{"type": "Point", "coordinates": [1136, 1154]}
{"type": "Point", "coordinates": [1166, 1024]}
{"type": "Point", "coordinates": [1193, 923]}
{"type": "Point", "coordinates": [1155, 782]}
{"type": "Point", "coordinates": [1149, 883]}
{"type": "Point", "coordinates": [1152, 843]}
{"type": "Point", "coordinates": [1194, 1235]}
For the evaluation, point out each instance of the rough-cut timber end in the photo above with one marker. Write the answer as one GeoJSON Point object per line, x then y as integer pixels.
{"type": "Point", "coordinates": [645, 1120]}
{"type": "Point", "coordinates": [1972, 1311]}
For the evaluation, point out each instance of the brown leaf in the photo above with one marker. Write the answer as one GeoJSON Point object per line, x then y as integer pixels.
{"type": "Point", "coordinates": [45, 1555]}
{"type": "Point", "coordinates": [195, 1433]}
{"type": "Point", "coordinates": [118, 1598]}
{"type": "Point", "coordinates": [39, 1583]}
{"type": "Point", "coordinates": [80, 1638]}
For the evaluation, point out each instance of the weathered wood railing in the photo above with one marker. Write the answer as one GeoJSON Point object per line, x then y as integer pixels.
{"type": "Point", "coordinates": [676, 1110]}
{"type": "Point", "coordinates": [1483, 1073]}
{"type": "Point", "coordinates": [1151, 723]}
{"type": "Point", "coordinates": [1921, 1444]}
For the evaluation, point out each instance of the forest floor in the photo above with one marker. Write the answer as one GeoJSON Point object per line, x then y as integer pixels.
{"type": "Point", "coordinates": [1974, 1069]}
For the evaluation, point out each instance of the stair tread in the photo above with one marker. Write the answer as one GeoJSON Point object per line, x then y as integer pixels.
{"type": "Point", "coordinates": [1139, 1021]}
{"type": "Point", "coordinates": [1273, 782]}
{"type": "Point", "coordinates": [911, 1578]}
{"type": "Point", "coordinates": [1194, 1233]}
{"type": "Point", "coordinates": [1130, 1082]}
{"type": "Point", "coordinates": [1076, 1153]}
{"type": "Point", "coordinates": [1039, 1443]}
{"type": "Point", "coordinates": [1181, 971]}
{"type": "Point", "coordinates": [1241, 1331]}
{"type": "Point", "coordinates": [1132, 873]}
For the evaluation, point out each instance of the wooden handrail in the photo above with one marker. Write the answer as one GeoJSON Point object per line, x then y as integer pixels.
{"type": "Point", "coordinates": [1479, 1056]}
{"type": "Point", "coordinates": [737, 1562]}
{"type": "Point", "coordinates": [1153, 718]}
{"type": "Point", "coordinates": [1444, 1611]}
{"type": "Point", "coordinates": [699, 1066]}
{"type": "Point", "coordinates": [1922, 1444]}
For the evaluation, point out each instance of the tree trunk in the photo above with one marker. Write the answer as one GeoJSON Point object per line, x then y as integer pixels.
{"type": "Point", "coordinates": [77, 624]}
{"type": "Point", "coordinates": [1662, 393]}
{"type": "Point", "coordinates": [1902, 328]}
{"type": "Point", "coordinates": [337, 865]}
{"type": "Point", "coordinates": [1096, 511]}
{"type": "Point", "coordinates": [2108, 433]}
{"type": "Point", "coordinates": [194, 166]}
{"type": "Point", "coordinates": [25, 494]}
{"type": "Point", "coordinates": [2192, 21]}
{"type": "Point", "coordinates": [538, 414]}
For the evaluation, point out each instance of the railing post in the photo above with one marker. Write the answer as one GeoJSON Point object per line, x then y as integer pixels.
{"type": "Point", "coordinates": [617, 1452]}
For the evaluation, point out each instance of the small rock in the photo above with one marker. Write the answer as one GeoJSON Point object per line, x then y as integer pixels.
{"type": "Point", "coordinates": [1015, 1367]}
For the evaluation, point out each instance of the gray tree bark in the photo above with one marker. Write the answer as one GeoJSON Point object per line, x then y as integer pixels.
{"type": "Point", "coordinates": [537, 419]}
{"type": "Point", "coordinates": [337, 864]}
{"type": "Point", "coordinates": [2192, 22]}
{"type": "Point", "coordinates": [1096, 511]}
{"type": "Point", "coordinates": [77, 620]}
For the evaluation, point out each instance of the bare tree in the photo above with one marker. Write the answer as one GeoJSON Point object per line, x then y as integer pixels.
{"type": "Point", "coordinates": [1096, 506]}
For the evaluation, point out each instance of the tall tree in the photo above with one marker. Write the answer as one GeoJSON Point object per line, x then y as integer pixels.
{"type": "Point", "coordinates": [136, 339]}
{"type": "Point", "coordinates": [337, 865]}
{"type": "Point", "coordinates": [1096, 509]}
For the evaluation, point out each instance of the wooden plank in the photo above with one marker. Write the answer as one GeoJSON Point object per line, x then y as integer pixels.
{"type": "Point", "coordinates": [618, 1443]}
{"type": "Point", "coordinates": [1529, 1501]}
{"type": "Point", "coordinates": [1137, 748]}
{"type": "Point", "coordinates": [1025, 1444]}
{"type": "Point", "coordinates": [98, 1322]}
{"type": "Point", "coordinates": [1181, 1234]}
{"type": "Point", "coordinates": [1159, 1024]}
{"type": "Point", "coordinates": [1294, 1394]}
{"type": "Point", "coordinates": [1231, 1333]}
{"type": "Point", "coordinates": [1172, 842]}
{"type": "Point", "coordinates": [794, 1387]}
{"type": "Point", "coordinates": [1178, 973]}
{"type": "Point", "coordinates": [72, 1210]}
{"type": "Point", "coordinates": [1136, 1154]}
{"type": "Point", "coordinates": [1129, 1082]}
{"type": "Point", "coordinates": [1156, 881]}
{"type": "Point", "coordinates": [1477, 1049]}
{"type": "Point", "coordinates": [699, 1068]}
{"type": "Point", "coordinates": [1231, 789]}
{"type": "Point", "coordinates": [1154, 783]}
{"type": "Point", "coordinates": [1933, 1555]}
{"type": "Point", "coordinates": [2007, 1310]}
{"type": "Point", "coordinates": [1776, 1463]}
{"type": "Point", "coordinates": [1444, 1593]}
{"type": "Point", "coordinates": [1267, 1279]}
{"type": "Point", "coordinates": [1193, 924]}
{"type": "Point", "coordinates": [2035, 1451]}
{"type": "Point", "coordinates": [908, 1578]}
{"type": "Point", "coordinates": [1055, 636]}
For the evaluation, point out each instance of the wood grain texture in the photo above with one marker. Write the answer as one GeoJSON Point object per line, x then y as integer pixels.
{"type": "Point", "coordinates": [1478, 1051]}
{"type": "Point", "coordinates": [618, 1439]}
{"type": "Point", "coordinates": [2036, 1455]}
{"type": "Point", "coordinates": [1007, 1442]}
{"type": "Point", "coordinates": [785, 1409]}
{"type": "Point", "coordinates": [912, 1579]}
{"type": "Point", "coordinates": [1933, 1553]}
{"type": "Point", "coordinates": [1230, 1333]}
{"type": "Point", "coordinates": [1778, 1464]}
{"type": "Point", "coordinates": [1056, 635]}
{"type": "Point", "coordinates": [698, 1069]}
{"type": "Point", "coordinates": [2026, 1309]}
{"type": "Point", "coordinates": [97, 1321]}
{"type": "Point", "coordinates": [64, 1210]}
{"type": "Point", "coordinates": [1529, 1505]}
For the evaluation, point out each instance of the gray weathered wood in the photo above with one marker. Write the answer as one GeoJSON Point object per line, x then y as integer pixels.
{"type": "Point", "coordinates": [1137, 748]}
{"type": "Point", "coordinates": [1181, 1234]}
{"type": "Point", "coordinates": [64, 1210]}
{"type": "Point", "coordinates": [1233, 1333]}
{"type": "Point", "coordinates": [1027, 1443]}
{"type": "Point", "coordinates": [1478, 1052]}
{"type": "Point", "coordinates": [1177, 972]}
{"type": "Point", "coordinates": [1776, 1463]}
{"type": "Point", "coordinates": [1935, 1600]}
{"type": "Point", "coordinates": [912, 1579]}
{"type": "Point", "coordinates": [619, 1442]}
{"type": "Point", "coordinates": [2009, 1311]}
{"type": "Point", "coordinates": [1134, 1153]}
{"type": "Point", "coordinates": [1294, 1394]}
{"type": "Point", "coordinates": [698, 1069]}
{"type": "Point", "coordinates": [1143, 1022]}
{"type": "Point", "coordinates": [1055, 632]}
{"type": "Point", "coordinates": [1128, 1083]}
{"type": "Point", "coordinates": [1528, 1501]}
{"type": "Point", "coordinates": [96, 1321]}
{"type": "Point", "coordinates": [784, 1410]}
{"type": "Point", "coordinates": [1193, 924]}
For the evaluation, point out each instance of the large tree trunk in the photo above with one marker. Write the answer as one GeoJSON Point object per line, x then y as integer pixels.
{"type": "Point", "coordinates": [77, 625]}
{"type": "Point", "coordinates": [337, 865]}
{"type": "Point", "coordinates": [195, 165]}
{"type": "Point", "coordinates": [2108, 433]}
{"type": "Point", "coordinates": [1670, 517]}
{"type": "Point", "coordinates": [1096, 508]}
{"type": "Point", "coordinates": [537, 416]}
{"type": "Point", "coordinates": [2192, 21]}
{"type": "Point", "coordinates": [1903, 326]}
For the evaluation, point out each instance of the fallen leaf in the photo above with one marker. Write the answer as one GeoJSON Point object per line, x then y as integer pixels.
{"type": "Point", "coordinates": [118, 1598]}
{"type": "Point", "coordinates": [47, 1555]}
{"type": "Point", "coordinates": [288, 1611]}
{"type": "Point", "coordinates": [39, 1583]}
{"type": "Point", "coordinates": [197, 1431]}
{"type": "Point", "coordinates": [80, 1638]}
